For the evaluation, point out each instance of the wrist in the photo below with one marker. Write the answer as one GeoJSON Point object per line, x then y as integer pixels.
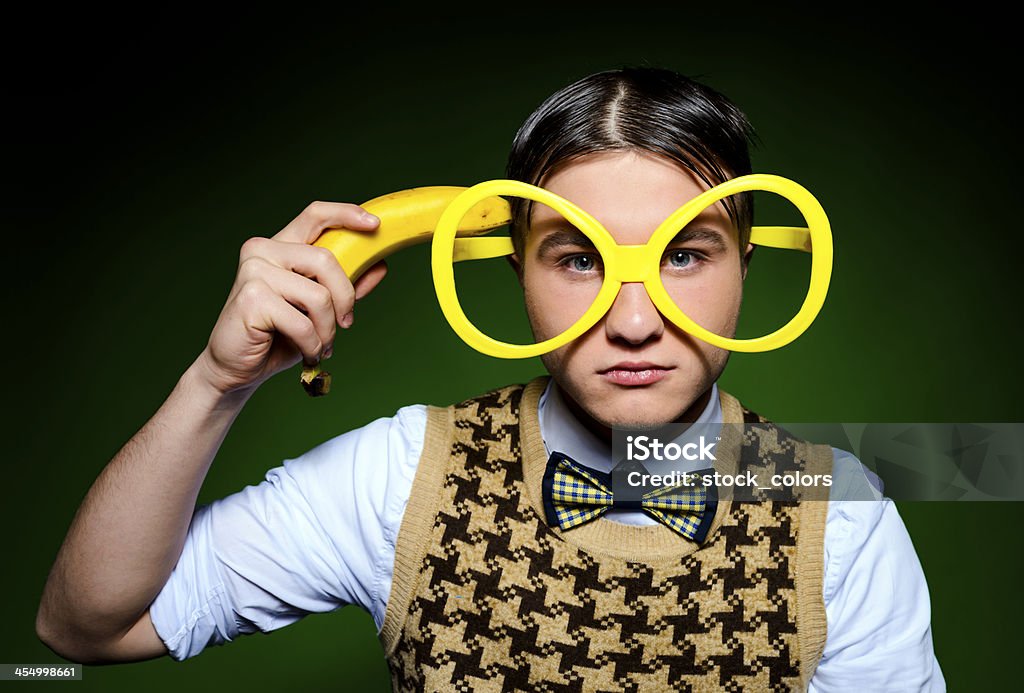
{"type": "Point", "coordinates": [199, 379]}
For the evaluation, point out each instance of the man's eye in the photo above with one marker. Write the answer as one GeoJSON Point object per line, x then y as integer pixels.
{"type": "Point", "coordinates": [581, 263]}
{"type": "Point", "coordinates": [681, 258]}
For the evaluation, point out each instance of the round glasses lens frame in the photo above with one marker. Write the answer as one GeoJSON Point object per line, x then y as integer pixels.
{"type": "Point", "coordinates": [632, 263]}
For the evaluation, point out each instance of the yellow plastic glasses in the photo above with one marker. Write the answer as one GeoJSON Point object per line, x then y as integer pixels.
{"type": "Point", "coordinates": [632, 263]}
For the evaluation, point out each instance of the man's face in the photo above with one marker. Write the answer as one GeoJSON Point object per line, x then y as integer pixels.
{"type": "Point", "coordinates": [633, 368]}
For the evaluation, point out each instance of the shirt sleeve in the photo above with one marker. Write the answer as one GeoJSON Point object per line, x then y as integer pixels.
{"type": "Point", "coordinates": [877, 604]}
{"type": "Point", "coordinates": [317, 534]}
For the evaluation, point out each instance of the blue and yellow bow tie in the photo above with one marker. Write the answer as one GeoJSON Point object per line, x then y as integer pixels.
{"type": "Point", "coordinates": [575, 494]}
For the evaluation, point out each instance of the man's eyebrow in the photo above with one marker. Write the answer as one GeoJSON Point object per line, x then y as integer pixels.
{"type": "Point", "coordinates": [701, 234]}
{"type": "Point", "coordinates": [564, 237]}
{"type": "Point", "coordinates": [570, 236]}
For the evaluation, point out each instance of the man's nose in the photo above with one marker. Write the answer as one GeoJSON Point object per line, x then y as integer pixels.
{"type": "Point", "coordinates": [633, 317]}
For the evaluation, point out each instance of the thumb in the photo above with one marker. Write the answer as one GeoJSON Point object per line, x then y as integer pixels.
{"type": "Point", "coordinates": [365, 220]}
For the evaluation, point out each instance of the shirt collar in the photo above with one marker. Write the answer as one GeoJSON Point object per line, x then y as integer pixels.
{"type": "Point", "coordinates": [562, 431]}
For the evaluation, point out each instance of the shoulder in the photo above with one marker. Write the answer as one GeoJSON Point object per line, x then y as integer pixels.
{"type": "Point", "coordinates": [864, 529]}
{"type": "Point", "coordinates": [852, 480]}
{"type": "Point", "coordinates": [360, 465]}
{"type": "Point", "coordinates": [404, 428]}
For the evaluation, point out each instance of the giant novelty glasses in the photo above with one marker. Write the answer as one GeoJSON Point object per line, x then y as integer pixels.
{"type": "Point", "coordinates": [632, 263]}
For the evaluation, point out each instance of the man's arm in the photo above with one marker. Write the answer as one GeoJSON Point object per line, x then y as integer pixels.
{"type": "Point", "coordinates": [130, 528]}
{"type": "Point", "coordinates": [126, 537]}
{"type": "Point", "coordinates": [318, 533]}
{"type": "Point", "coordinates": [876, 596]}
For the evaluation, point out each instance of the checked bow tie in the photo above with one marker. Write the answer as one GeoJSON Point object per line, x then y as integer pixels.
{"type": "Point", "coordinates": [575, 494]}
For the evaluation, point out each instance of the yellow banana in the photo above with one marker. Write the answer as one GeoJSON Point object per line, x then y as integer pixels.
{"type": "Point", "coordinates": [406, 218]}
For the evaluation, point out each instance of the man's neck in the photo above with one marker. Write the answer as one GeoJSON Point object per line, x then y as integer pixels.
{"type": "Point", "coordinates": [604, 432]}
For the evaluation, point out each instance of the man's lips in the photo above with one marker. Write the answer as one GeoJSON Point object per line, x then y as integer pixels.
{"type": "Point", "coordinates": [635, 373]}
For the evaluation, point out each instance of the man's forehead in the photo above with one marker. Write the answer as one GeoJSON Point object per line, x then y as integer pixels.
{"type": "Point", "coordinates": [631, 224]}
{"type": "Point", "coordinates": [629, 193]}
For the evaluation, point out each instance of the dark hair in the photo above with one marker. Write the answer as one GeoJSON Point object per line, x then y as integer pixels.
{"type": "Point", "coordinates": [635, 108]}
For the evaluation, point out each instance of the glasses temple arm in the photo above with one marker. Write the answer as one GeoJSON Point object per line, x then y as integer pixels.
{"type": "Point", "coordinates": [482, 248]}
{"type": "Point", "coordinates": [785, 237]}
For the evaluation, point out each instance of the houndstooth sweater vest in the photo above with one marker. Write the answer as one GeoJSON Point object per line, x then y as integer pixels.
{"type": "Point", "coordinates": [487, 597]}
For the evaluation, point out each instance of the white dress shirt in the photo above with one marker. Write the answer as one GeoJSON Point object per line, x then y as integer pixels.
{"type": "Point", "coordinates": [319, 533]}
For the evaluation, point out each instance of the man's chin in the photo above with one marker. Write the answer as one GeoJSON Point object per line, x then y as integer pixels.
{"type": "Point", "coordinates": [639, 411]}
{"type": "Point", "coordinates": [637, 424]}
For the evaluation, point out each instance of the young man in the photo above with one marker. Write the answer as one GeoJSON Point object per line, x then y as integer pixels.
{"type": "Point", "coordinates": [436, 520]}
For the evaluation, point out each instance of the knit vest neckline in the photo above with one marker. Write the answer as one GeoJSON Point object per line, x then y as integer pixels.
{"type": "Point", "coordinates": [651, 544]}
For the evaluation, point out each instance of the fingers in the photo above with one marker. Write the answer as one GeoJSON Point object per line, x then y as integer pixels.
{"type": "Point", "coordinates": [263, 309]}
{"type": "Point", "coordinates": [302, 294]}
{"type": "Point", "coordinates": [310, 261]}
{"type": "Point", "coordinates": [286, 284]}
{"type": "Point", "coordinates": [319, 216]}
{"type": "Point", "coordinates": [317, 264]}
{"type": "Point", "coordinates": [370, 279]}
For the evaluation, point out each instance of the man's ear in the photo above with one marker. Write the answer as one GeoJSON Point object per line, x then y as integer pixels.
{"type": "Point", "coordinates": [517, 266]}
{"type": "Point", "coordinates": [746, 258]}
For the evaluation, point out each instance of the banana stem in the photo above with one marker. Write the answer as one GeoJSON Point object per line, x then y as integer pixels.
{"type": "Point", "coordinates": [315, 381]}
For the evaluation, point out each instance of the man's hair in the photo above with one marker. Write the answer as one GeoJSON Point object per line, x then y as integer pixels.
{"type": "Point", "coordinates": [635, 108]}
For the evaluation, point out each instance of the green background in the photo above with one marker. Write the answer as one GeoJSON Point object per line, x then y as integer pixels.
{"type": "Point", "coordinates": [139, 158]}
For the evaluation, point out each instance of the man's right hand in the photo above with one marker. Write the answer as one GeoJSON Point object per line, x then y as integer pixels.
{"type": "Point", "coordinates": [287, 299]}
